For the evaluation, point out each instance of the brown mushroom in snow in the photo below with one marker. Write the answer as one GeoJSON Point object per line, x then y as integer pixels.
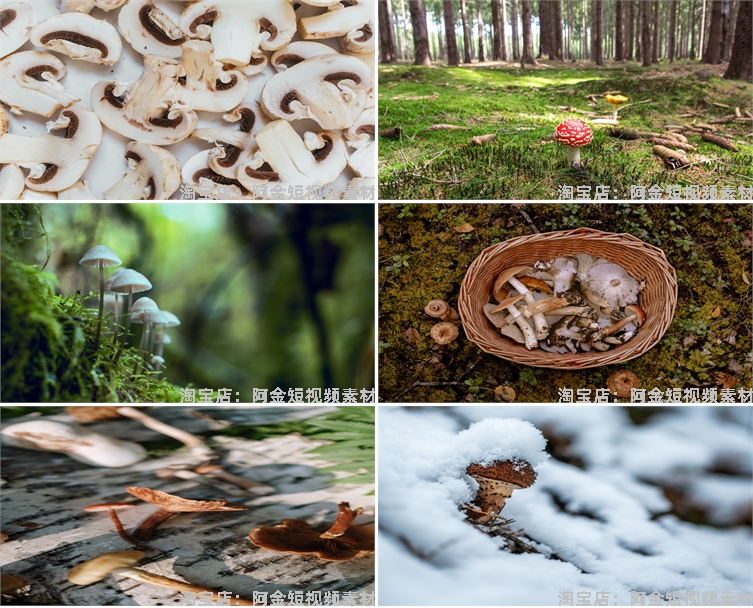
{"type": "Point", "coordinates": [541, 328]}
{"type": "Point", "coordinates": [496, 483]}
{"type": "Point", "coordinates": [444, 332]}
{"type": "Point", "coordinates": [142, 111]}
{"type": "Point", "coordinates": [120, 562]}
{"type": "Point", "coordinates": [172, 505]}
{"type": "Point", "coordinates": [621, 383]}
{"type": "Point", "coordinates": [341, 542]}
{"type": "Point", "coordinates": [23, 92]}
{"type": "Point", "coordinates": [56, 163]}
{"type": "Point", "coordinates": [80, 36]}
{"type": "Point", "coordinates": [355, 22]}
{"type": "Point", "coordinates": [153, 175]}
{"type": "Point", "coordinates": [149, 30]}
{"type": "Point", "coordinates": [16, 22]}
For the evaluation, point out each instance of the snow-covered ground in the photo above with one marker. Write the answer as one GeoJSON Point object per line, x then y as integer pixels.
{"type": "Point", "coordinates": [599, 514]}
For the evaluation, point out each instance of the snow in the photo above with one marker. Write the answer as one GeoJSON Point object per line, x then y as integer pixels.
{"type": "Point", "coordinates": [599, 519]}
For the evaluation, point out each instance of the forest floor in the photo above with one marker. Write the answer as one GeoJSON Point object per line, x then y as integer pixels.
{"type": "Point", "coordinates": [425, 251]}
{"type": "Point", "coordinates": [522, 107]}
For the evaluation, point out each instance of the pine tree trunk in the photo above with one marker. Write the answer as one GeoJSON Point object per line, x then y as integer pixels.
{"type": "Point", "coordinates": [672, 25]}
{"type": "Point", "coordinates": [466, 33]}
{"type": "Point", "coordinates": [545, 30]}
{"type": "Point", "coordinates": [646, 33]}
{"type": "Point", "coordinates": [404, 50]}
{"type": "Point", "coordinates": [618, 30]}
{"type": "Point", "coordinates": [596, 46]}
{"type": "Point", "coordinates": [570, 30]}
{"type": "Point", "coordinates": [630, 30]}
{"type": "Point", "coordinates": [702, 44]}
{"type": "Point", "coordinates": [420, 32]}
{"type": "Point", "coordinates": [514, 30]}
{"type": "Point", "coordinates": [505, 56]}
{"type": "Point", "coordinates": [453, 57]}
{"type": "Point", "coordinates": [584, 31]}
{"type": "Point", "coordinates": [481, 44]}
{"type": "Point", "coordinates": [729, 28]}
{"type": "Point", "coordinates": [439, 14]}
{"type": "Point", "coordinates": [557, 29]}
{"type": "Point", "coordinates": [498, 36]}
{"type": "Point", "coordinates": [526, 17]}
{"type": "Point", "coordinates": [713, 53]}
{"type": "Point", "coordinates": [741, 61]}
{"type": "Point", "coordinates": [655, 34]}
{"type": "Point", "coordinates": [387, 46]}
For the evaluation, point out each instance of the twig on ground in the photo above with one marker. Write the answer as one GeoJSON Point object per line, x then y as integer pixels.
{"type": "Point", "coordinates": [529, 221]}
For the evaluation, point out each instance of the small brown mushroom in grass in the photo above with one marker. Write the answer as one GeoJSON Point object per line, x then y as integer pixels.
{"type": "Point", "coordinates": [120, 562]}
{"type": "Point", "coordinates": [111, 508]}
{"type": "Point", "coordinates": [172, 505]}
{"type": "Point", "coordinates": [444, 332]}
{"type": "Point", "coordinates": [441, 310]}
{"type": "Point", "coordinates": [622, 382]}
{"type": "Point", "coordinates": [496, 482]}
{"type": "Point", "coordinates": [342, 542]}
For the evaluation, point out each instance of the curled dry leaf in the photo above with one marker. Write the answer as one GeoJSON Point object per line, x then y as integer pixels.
{"type": "Point", "coordinates": [482, 139]}
{"type": "Point", "coordinates": [411, 335]}
{"type": "Point", "coordinates": [725, 380]}
{"type": "Point", "coordinates": [717, 312]}
{"type": "Point", "coordinates": [505, 393]}
{"type": "Point", "coordinates": [465, 227]}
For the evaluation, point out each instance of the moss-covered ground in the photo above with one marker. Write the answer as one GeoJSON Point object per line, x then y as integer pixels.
{"type": "Point", "coordinates": [422, 257]}
{"type": "Point", "coordinates": [520, 107]}
{"type": "Point", "coordinates": [48, 339]}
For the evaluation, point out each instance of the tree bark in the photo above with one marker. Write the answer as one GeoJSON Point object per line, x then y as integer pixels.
{"type": "Point", "coordinates": [387, 46]}
{"type": "Point", "coordinates": [618, 32]}
{"type": "Point", "coordinates": [596, 46]}
{"type": "Point", "coordinates": [525, 16]}
{"type": "Point", "coordinates": [630, 30]}
{"type": "Point", "coordinates": [466, 33]}
{"type": "Point", "coordinates": [570, 30]}
{"type": "Point", "coordinates": [671, 30]}
{"type": "Point", "coordinates": [514, 30]}
{"type": "Point", "coordinates": [557, 29]}
{"type": "Point", "coordinates": [404, 51]}
{"type": "Point", "coordinates": [713, 53]}
{"type": "Point", "coordinates": [420, 32]}
{"type": "Point", "coordinates": [729, 28]}
{"type": "Point", "coordinates": [503, 29]}
{"type": "Point", "coordinates": [481, 44]}
{"type": "Point", "coordinates": [655, 34]}
{"type": "Point", "coordinates": [584, 30]}
{"type": "Point", "coordinates": [453, 57]}
{"type": "Point", "coordinates": [439, 15]}
{"type": "Point", "coordinates": [741, 62]}
{"type": "Point", "coordinates": [498, 35]}
{"type": "Point", "coordinates": [544, 29]}
{"type": "Point", "coordinates": [646, 33]}
{"type": "Point", "coordinates": [702, 44]}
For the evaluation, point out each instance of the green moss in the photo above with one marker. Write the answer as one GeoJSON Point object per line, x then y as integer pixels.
{"type": "Point", "coordinates": [700, 341]}
{"type": "Point", "coordinates": [520, 107]}
{"type": "Point", "coordinates": [48, 340]}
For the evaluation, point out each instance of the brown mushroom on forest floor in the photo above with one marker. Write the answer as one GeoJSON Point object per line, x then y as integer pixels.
{"type": "Point", "coordinates": [496, 482]}
{"type": "Point", "coordinates": [172, 505]}
{"type": "Point", "coordinates": [441, 310]}
{"type": "Point", "coordinates": [341, 542]}
{"type": "Point", "coordinates": [444, 332]}
{"type": "Point", "coordinates": [622, 382]}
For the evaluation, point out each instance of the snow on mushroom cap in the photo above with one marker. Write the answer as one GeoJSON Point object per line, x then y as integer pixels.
{"type": "Point", "coordinates": [573, 132]}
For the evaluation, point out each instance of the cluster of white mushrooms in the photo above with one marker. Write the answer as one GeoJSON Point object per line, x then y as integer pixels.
{"type": "Point", "coordinates": [567, 305]}
{"type": "Point", "coordinates": [259, 65]}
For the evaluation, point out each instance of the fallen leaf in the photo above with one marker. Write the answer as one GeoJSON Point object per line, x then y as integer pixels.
{"type": "Point", "coordinates": [381, 230]}
{"type": "Point", "coordinates": [411, 335]}
{"type": "Point", "coordinates": [748, 242]}
{"type": "Point", "coordinates": [436, 363]}
{"type": "Point", "coordinates": [688, 341]}
{"type": "Point", "coordinates": [505, 393]}
{"type": "Point", "coordinates": [746, 280]}
{"type": "Point", "coordinates": [734, 366]}
{"type": "Point", "coordinates": [725, 380]}
{"type": "Point", "coordinates": [731, 337]}
{"type": "Point", "coordinates": [717, 313]}
{"type": "Point", "coordinates": [466, 227]}
{"type": "Point", "coordinates": [482, 139]}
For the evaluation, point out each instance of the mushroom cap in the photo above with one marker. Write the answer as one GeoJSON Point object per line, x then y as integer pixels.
{"type": "Point", "coordinates": [152, 173]}
{"type": "Point", "coordinates": [509, 273]}
{"type": "Point", "coordinates": [149, 30]}
{"type": "Point", "coordinates": [621, 382]}
{"type": "Point", "coordinates": [437, 308]}
{"type": "Point", "coordinates": [80, 36]}
{"type": "Point", "coordinates": [100, 256]}
{"type": "Point", "coordinates": [173, 321]}
{"type": "Point", "coordinates": [97, 568]}
{"type": "Point", "coordinates": [444, 333]}
{"type": "Point", "coordinates": [634, 309]}
{"type": "Point", "coordinates": [504, 304]}
{"type": "Point", "coordinates": [615, 99]}
{"type": "Point", "coordinates": [612, 281]}
{"type": "Point", "coordinates": [296, 536]}
{"type": "Point", "coordinates": [517, 472]}
{"type": "Point", "coordinates": [143, 308]}
{"type": "Point", "coordinates": [93, 414]}
{"type": "Point", "coordinates": [176, 504]}
{"type": "Point", "coordinates": [131, 281]}
{"type": "Point", "coordinates": [106, 506]}
{"type": "Point", "coordinates": [573, 132]}
{"type": "Point", "coordinates": [18, 20]}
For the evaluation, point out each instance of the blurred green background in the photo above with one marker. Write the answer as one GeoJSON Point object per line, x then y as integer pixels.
{"type": "Point", "coordinates": [269, 295]}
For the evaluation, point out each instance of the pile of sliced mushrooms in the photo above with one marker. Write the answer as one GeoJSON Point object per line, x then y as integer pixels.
{"type": "Point", "coordinates": [567, 305]}
{"type": "Point", "coordinates": [293, 83]}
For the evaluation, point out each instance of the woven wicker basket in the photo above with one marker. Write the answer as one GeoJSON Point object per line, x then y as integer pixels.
{"type": "Point", "coordinates": [658, 299]}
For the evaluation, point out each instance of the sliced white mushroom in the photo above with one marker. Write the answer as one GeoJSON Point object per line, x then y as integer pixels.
{"type": "Point", "coordinates": [360, 189]}
{"type": "Point", "coordinates": [153, 174]}
{"type": "Point", "coordinates": [208, 184]}
{"type": "Point", "coordinates": [206, 86]}
{"type": "Point", "coordinates": [33, 195]}
{"type": "Point", "coordinates": [11, 183]}
{"type": "Point", "coordinates": [284, 159]}
{"type": "Point", "coordinates": [80, 36]}
{"type": "Point", "coordinates": [330, 89]}
{"type": "Point", "coordinates": [149, 30]}
{"type": "Point", "coordinates": [234, 147]}
{"type": "Point", "coordinates": [77, 192]}
{"type": "Point", "coordinates": [361, 132]}
{"type": "Point", "coordinates": [362, 161]}
{"type": "Point", "coordinates": [4, 121]}
{"type": "Point", "coordinates": [147, 111]}
{"type": "Point", "coordinates": [85, 6]}
{"type": "Point", "coordinates": [16, 22]}
{"type": "Point", "coordinates": [30, 83]}
{"type": "Point", "coordinates": [56, 163]}
{"type": "Point", "coordinates": [355, 22]}
{"type": "Point", "coordinates": [299, 51]}
{"type": "Point", "coordinates": [239, 30]}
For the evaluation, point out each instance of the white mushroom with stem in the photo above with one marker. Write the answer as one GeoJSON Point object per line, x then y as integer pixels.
{"type": "Point", "coordinates": [108, 290]}
{"type": "Point", "coordinates": [100, 257]}
{"type": "Point", "coordinates": [508, 276]}
{"type": "Point", "coordinates": [530, 337]}
{"type": "Point", "coordinates": [146, 311]}
{"type": "Point", "coordinates": [129, 282]}
{"type": "Point", "coordinates": [170, 320]}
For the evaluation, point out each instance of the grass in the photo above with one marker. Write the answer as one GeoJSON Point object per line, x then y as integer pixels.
{"type": "Point", "coordinates": [422, 257]}
{"type": "Point", "coordinates": [519, 107]}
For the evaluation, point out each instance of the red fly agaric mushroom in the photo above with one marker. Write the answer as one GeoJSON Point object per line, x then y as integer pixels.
{"type": "Point", "coordinates": [172, 505]}
{"type": "Point", "coordinates": [340, 543]}
{"type": "Point", "coordinates": [99, 257]}
{"type": "Point", "coordinates": [120, 562]}
{"type": "Point", "coordinates": [111, 508]}
{"type": "Point", "coordinates": [496, 482]}
{"type": "Point", "coordinates": [573, 133]}
{"type": "Point", "coordinates": [622, 382]}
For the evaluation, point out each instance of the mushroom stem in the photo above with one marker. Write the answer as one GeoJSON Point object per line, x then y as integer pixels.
{"type": "Point", "coordinates": [121, 531]}
{"type": "Point", "coordinates": [117, 317]}
{"type": "Point", "coordinates": [101, 305]}
{"type": "Point", "coordinates": [149, 525]}
{"type": "Point", "coordinates": [127, 326]}
{"type": "Point", "coordinates": [345, 517]}
{"type": "Point", "coordinates": [190, 440]}
{"type": "Point", "coordinates": [573, 155]}
{"type": "Point", "coordinates": [141, 346]}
